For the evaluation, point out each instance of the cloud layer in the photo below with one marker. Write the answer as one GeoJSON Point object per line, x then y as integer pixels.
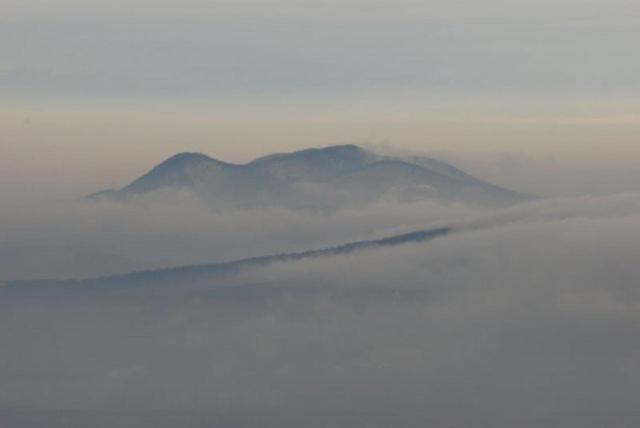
{"type": "Point", "coordinates": [62, 240]}
{"type": "Point", "coordinates": [526, 319]}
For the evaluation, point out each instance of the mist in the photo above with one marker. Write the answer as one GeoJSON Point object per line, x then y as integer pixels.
{"type": "Point", "coordinates": [526, 317]}
{"type": "Point", "coordinates": [51, 239]}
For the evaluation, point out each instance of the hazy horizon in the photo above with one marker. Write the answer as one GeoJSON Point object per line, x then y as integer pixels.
{"type": "Point", "coordinates": [88, 146]}
{"type": "Point", "coordinates": [528, 94]}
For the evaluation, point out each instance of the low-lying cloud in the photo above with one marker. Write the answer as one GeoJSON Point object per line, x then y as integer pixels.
{"type": "Point", "coordinates": [525, 319]}
{"type": "Point", "coordinates": [62, 240]}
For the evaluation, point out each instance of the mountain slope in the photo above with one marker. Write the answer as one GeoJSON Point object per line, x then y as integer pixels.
{"type": "Point", "coordinates": [327, 178]}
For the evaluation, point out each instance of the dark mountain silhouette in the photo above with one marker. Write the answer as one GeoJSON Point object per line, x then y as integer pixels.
{"type": "Point", "coordinates": [328, 178]}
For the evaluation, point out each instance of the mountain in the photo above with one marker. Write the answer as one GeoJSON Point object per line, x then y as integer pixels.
{"type": "Point", "coordinates": [326, 178]}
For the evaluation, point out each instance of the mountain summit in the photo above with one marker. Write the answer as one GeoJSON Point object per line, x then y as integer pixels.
{"type": "Point", "coordinates": [319, 178]}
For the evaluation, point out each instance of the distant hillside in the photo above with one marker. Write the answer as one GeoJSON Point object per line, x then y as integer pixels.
{"type": "Point", "coordinates": [328, 178]}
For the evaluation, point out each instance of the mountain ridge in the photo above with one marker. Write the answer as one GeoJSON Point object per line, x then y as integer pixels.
{"type": "Point", "coordinates": [314, 177]}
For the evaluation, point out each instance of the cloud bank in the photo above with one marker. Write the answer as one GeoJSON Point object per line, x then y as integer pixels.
{"type": "Point", "coordinates": [44, 239]}
{"type": "Point", "coordinates": [526, 319]}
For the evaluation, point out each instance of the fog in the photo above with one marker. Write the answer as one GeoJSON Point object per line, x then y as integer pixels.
{"type": "Point", "coordinates": [62, 239]}
{"type": "Point", "coordinates": [527, 318]}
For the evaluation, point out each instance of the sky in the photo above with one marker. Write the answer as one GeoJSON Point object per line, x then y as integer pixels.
{"type": "Point", "coordinates": [528, 94]}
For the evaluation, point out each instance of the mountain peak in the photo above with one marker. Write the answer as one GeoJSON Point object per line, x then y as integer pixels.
{"type": "Point", "coordinates": [187, 157]}
{"type": "Point", "coordinates": [338, 150]}
{"type": "Point", "coordinates": [173, 172]}
{"type": "Point", "coordinates": [184, 160]}
{"type": "Point", "coordinates": [344, 148]}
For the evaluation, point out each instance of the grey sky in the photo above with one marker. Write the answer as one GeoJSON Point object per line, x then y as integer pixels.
{"type": "Point", "coordinates": [159, 48]}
